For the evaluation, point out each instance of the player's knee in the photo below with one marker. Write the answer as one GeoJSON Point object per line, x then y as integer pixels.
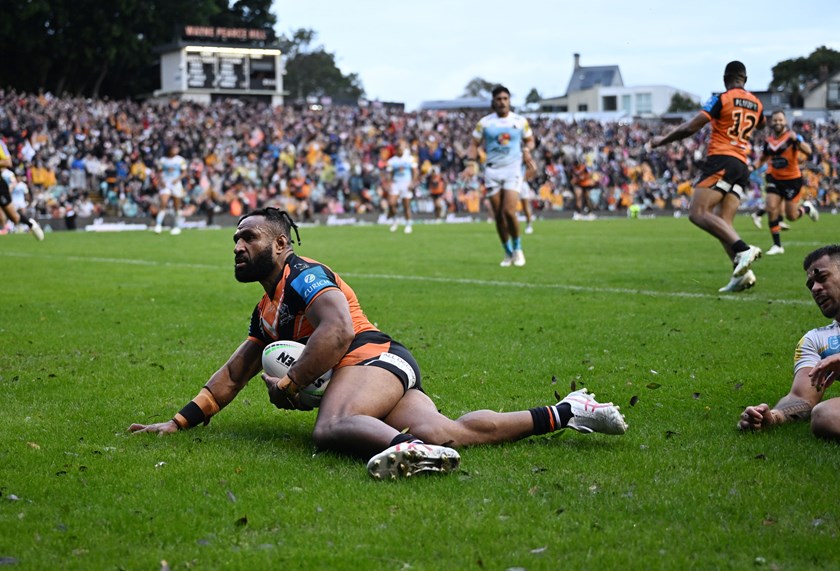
{"type": "Point", "coordinates": [325, 435]}
{"type": "Point", "coordinates": [825, 421]}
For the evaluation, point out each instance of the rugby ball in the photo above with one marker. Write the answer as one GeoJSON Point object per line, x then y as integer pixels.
{"type": "Point", "coordinates": [277, 359]}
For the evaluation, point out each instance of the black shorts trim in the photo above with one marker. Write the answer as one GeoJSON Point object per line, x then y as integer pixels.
{"type": "Point", "coordinates": [724, 174]}
{"type": "Point", "coordinates": [5, 194]}
{"type": "Point", "coordinates": [393, 357]}
{"type": "Point", "coordinates": [787, 189]}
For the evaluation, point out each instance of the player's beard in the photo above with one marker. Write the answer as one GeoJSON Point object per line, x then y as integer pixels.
{"type": "Point", "coordinates": [259, 267]}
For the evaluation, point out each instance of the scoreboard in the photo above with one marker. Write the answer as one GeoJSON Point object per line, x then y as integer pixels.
{"type": "Point", "coordinates": [208, 62]}
{"type": "Point", "coordinates": [240, 69]}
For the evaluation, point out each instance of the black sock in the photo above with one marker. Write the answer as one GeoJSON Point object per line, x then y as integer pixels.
{"type": "Point", "coordinates": [739, 246]}
{"type": "Point", "coordinates": [25, 219]}
{"type": "Point", "coordinates": [550, 418]}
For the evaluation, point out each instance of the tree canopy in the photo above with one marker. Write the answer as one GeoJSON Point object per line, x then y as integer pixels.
{"type": "Point", "coordinates": [312, 71]}
{"type": "Point", "coordinates": [479, 87]}
{"type": "Point", "coordinates": [797, 73]}
{"type": "Point", "coordinates": [107, 49]}
{"type": "Point", "coordinates": [680, 103]}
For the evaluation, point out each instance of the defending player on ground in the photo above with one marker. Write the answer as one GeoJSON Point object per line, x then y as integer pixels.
{"type": "Point", "coordinates": [816, 359]}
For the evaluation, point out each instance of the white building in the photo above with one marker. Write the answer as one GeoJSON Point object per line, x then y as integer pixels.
{"type": "Point", "coordinates": [601, 90]}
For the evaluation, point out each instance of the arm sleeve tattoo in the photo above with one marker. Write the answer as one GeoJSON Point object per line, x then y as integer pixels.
{"type": "Point", "coordinates": [793, 409]}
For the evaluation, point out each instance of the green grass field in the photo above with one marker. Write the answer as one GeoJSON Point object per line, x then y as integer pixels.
{"type": "Point", "coordinates": [101, 330]}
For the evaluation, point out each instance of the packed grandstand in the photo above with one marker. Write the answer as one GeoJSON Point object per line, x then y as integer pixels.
{"type": "Point", "coordinates": [86, 158]}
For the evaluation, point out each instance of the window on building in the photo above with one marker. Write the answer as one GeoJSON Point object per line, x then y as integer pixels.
{"type": "Point", "coordinates": [626, 103]}
{"type": "Point", "coordinates": [583, 107]}
{"type": "Point", "coordinates": [832, 99]}
{"type": "Point", "coordinates": [644, 103]}
{"type": "Point", "coordinates": [609, 103]}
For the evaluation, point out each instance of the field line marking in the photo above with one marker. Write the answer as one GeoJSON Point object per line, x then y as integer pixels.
{"type": "Point", "coordinates": [464, 281]}
{"type": "Point", "coordinates": [570, 287]}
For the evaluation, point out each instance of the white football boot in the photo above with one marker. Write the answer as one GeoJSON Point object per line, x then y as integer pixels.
{"type": "Point", "coordinates": [775, 250]}
{"type": "Point", "coordinates": [591, 416]}
{"type": "Point", "coordinates": [743, 260]}
{"type": "Point", "coordinates": [518, 258]}
{"type": "Point", "coordinates": [739, 283]}
{"type": "Point", "coordinates": [36, 230]}
{"type": "Point", "coordinates": [409, 458]}
{"type": "Point", "coordinates": [813, 213]}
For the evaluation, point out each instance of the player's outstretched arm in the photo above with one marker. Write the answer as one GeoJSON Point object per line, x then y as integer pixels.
{"type": "Point", "coordinates": [793, 407]}
{"type": "Point", "coordinates": [219, 391]}
{"type": "Point", "coordinates": [681, 131]}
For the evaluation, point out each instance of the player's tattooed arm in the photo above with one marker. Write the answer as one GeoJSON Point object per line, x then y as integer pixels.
{"type": "Point", "coordinates": [791, 409]}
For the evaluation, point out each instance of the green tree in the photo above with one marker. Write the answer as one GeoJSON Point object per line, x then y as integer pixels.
{"type": "Point", "coordinates": [796, 74]}
{"type": "Point", "coordinates": [90, 47]}
{"type": "Point", "coordinates": [680, 103]}
{"type": "Point", "coordinates": [312, 71]}
{"type": "Point", "coordinates": [533, 96]}
{"type": "Point", "coordinates": [479, 87]}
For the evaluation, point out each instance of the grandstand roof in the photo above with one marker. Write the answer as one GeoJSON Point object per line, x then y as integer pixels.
{"type": "Point", "coordinates": [453, 104]}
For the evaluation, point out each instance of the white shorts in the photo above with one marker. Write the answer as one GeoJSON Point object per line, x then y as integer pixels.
{"type": "Point", "coordinates": [173, 188]}
{"type": "Point", "coordinates": [399, 188]}
{"type": "Point", "coordinates": [525, 191]}
{"type": "Point", "coordinates": [507, 178]}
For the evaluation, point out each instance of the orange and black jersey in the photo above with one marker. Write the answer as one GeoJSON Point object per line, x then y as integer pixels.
{"type": "Point", "coordinates": [782, 157]}
{"type": "Point", "coordinates": [281, 315]}
{"type": "Point", "coordinates": [582, 177]}
{"type": "Point", "coordinates": [734, 115]}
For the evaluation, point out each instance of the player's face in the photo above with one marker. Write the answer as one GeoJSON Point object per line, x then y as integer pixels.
{"type": "Point", "coordinates": [779, 123]}
{"type": "Point", "coordinates": [253, 252]}
{"type": "Point", "coordinates": [824, 284]}
{"type": "Point", "coordinates": [501, 103]}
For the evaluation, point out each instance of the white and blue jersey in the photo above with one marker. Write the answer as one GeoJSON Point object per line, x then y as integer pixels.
{"type": "Point", "coordinates": [172, 170]}
{"type": "Point", "coordinates": [402, 167]}
{"type": "Point", "coordinates": [816, 345]}
{"type": "Point", "coordinates": [402, 173]}
{"type": "Point", "coordinates": [503, 138]}
{"type": "Point", "coordinates": [19, 192]}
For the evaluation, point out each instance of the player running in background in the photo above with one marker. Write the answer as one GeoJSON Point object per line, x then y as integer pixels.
{"type": "Point", "coordinates": [402, 174]}
{"type": "Point", "coordinates": [734, 115]}
{"type": "Point", "coordinates": [374, 405]}
{"type": "Point", "coordinates": [526, 194]}
{"type": "Point", "coordinates": [7, 181]}
{"type": "Point", "coordinates": [508, 140]}
{"type": "Point", "coordinates": [173, 169]}
{"type": "Point", "coordinates": [582, 182]}
{"type": "Point", "coordinates": [781, 153]}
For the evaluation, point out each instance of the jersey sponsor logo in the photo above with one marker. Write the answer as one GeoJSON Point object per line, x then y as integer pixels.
{"type": "Point", "coordinates": [402, 365]}
{"type": "Point", "coordinates": [833, 344]}
{"type": "Point", "coordinates": [310, 282]}
{"type": "Point", "coordinates": [503, 139]}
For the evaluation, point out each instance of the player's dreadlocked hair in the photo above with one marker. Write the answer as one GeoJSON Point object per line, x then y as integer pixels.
{"type": "Point", "coordinates": [280, 219]}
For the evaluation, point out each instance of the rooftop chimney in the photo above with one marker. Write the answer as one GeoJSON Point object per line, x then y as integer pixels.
{"type": "Point", "coordinates": [577, 61]}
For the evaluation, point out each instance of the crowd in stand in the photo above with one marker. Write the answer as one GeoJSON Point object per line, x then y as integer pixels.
{"type": "Point", "coordinates": [88, 158]}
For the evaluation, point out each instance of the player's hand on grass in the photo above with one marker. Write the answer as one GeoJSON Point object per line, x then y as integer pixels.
{"type": "Point", "coordinates": [282, 392]}
{"type": "Point", "coordinates": [160, 428]}
{"type": "Point", "coordinates": [757, 418]}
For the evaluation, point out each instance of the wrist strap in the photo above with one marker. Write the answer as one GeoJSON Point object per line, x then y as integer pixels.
{"type": "Point", "coordinates": [199, 410]}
